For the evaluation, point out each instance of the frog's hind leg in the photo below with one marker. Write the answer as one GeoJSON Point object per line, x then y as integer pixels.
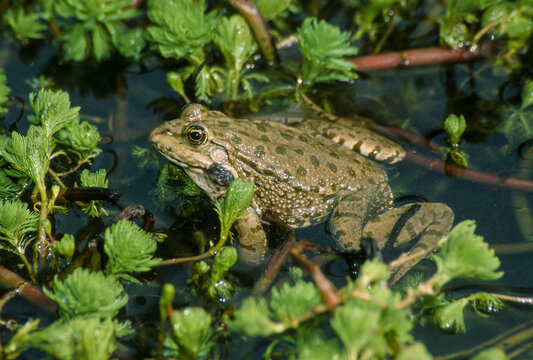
{"type": "Point", "coordinates": [426, 223]}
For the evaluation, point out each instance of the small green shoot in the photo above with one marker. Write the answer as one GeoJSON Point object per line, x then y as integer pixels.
{"type": "Point", "coordinates": [87, 179]}
{"type": "Point", "coordinates": [66, 246]}
{"type": "Point", "coordinates": [190, 334]}
{"type": "Point", "coordinates": [212, 283]}
{"type": "Point", "coordinates": [454, 126]}
{"type": "Point", "coordinates": [129, 249]}
{"type": "Point", "coordinates": [88, 294]}
{"type": "Point", "coordinates": [324, 47]}
{"type": "Point", "coordinates": [238, 198]}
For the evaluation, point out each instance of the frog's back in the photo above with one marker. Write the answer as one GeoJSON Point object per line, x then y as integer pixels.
{"type": "Point", "coordinates": [298, 174]}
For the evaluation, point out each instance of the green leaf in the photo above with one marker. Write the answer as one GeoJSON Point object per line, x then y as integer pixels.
{"type": "Point", "coordinates": [81, 139]}
{"type": "Point", "coordinates": [85, 293]}
{"type": "Point", "coordinates": [24, 26]}
{"type": "Point", "coordinates": [66, 246]}
{"type": "Point", "coordinates": [292, 301]}
{"type": "Point", "coordinates": [252, 318]}
{"type": "Point", "coordinates": [238, 198]}
{"type": "Point", "coordinates": [79, 338]}
{"type": "Point", "coordinates": [29, 154]}
{"type": "Point", "coordinates": [98, 26]}
{"type": "Point", "coordinates": [4, 92]}
{"type": "Point", "coordinates": [16, 222]}
{"type": "Point", "coordinates": [235, 41]}
{"type": "Point", "coordinates": [312, 344]}
{"type": "Point", "coordinates": [270, 9]}
{"type": "Point", "coordinates": [97, 179]}
{"type": "Point", "coordinates": [191, 328]}
{"type": "Point", "coordinates": [52, 111]}
{"type": "Point", "coordinates": [355, 325]}
{"type": "Point", "coordinates": [181, 28]}
{"type": "Point", "coordinates": [324, 47]}
{"type": "Point", "coordinates": [449, 316]}
{"type": "Point", "coordinates": [465, 255]}
{"type": "Point", "coordinates": [130, 250]}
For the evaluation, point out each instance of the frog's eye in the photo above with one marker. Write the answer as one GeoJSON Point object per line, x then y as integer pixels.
{"type": "Point", "coordinates": [196, 134]}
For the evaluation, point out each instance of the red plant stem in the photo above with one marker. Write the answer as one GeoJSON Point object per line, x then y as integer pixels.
{"type": "Point", "coordinates": [324, 286]}
{"type": "Point", "coordinates": [418, 57]}
{"type": "Point", "coordinates": [467, 174]}
{"type": "Point", "coordinates": [26, 289]}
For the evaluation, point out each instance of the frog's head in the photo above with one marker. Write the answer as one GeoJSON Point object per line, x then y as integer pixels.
{"type": "Point", "coordinates": [190, 142]}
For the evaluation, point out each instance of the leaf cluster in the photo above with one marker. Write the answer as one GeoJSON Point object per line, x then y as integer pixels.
{"type": "Point", "coordinates": [210, 280]}
{"type": "Point", "coordinates": [88, 294]}
{"type": "Point", "coordinates": [323, 48]}
{"type": "Point", "coordinates": [129, 250]}
{"type": "Point", "coordinates": [94, 28]}
{"type": "Point", "coordinates": [372, 320]}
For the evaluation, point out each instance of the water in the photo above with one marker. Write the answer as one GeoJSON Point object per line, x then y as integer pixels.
{"type": "Point", "coordinates": [126, 103]}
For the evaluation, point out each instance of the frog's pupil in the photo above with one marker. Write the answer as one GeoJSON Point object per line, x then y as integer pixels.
{"type": "Point", "coordinates": [196, 134]}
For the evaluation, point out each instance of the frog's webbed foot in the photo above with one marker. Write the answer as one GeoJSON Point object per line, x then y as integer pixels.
{"type": "Point", "coordinates": [252, 238]}
{"type": "Point", "coordinates": [427, 222]}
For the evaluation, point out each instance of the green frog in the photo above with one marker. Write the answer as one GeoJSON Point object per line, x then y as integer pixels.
{"type": "Point", "coordinates": [307, 173]}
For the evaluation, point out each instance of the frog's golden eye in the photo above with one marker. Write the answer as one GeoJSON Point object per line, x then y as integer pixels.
{"type": "Point", "coordinates": [196, 134]}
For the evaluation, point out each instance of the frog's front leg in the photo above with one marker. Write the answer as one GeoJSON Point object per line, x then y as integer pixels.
{"type": "Point", "coordinates": [252, 237]}
{"type": "Point", "coordinates": [425, 222]}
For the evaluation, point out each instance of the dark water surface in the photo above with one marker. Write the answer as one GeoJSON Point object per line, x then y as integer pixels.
{"type": "Point", "coordinates": [128, 105]}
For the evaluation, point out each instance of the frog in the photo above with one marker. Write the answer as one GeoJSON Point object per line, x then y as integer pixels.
{"type": "Point", "coordinates": [319, 170]}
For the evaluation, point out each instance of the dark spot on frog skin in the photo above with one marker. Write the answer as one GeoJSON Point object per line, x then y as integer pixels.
{"type": "Point", "coordinates": [282, 150]}
{"type": "Point", "coordinates": [315, 161]}
{"type": "Point", "coordinates": [303, 138]}
{"type": "Point", "coordinates": [223, 124]}
{"type": "Point", "coordinates": [301, 171]}
{"type": "Point", "coordinates": [222, 175]}
{"type": "Point", "coordinates": [332, 167]}
{"type": "Point", "coordinates": [286, 135]}
{"type": "Point", "coordinates": [299, 151]}
{"type": "Point", "coordinates": [265, 138]}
